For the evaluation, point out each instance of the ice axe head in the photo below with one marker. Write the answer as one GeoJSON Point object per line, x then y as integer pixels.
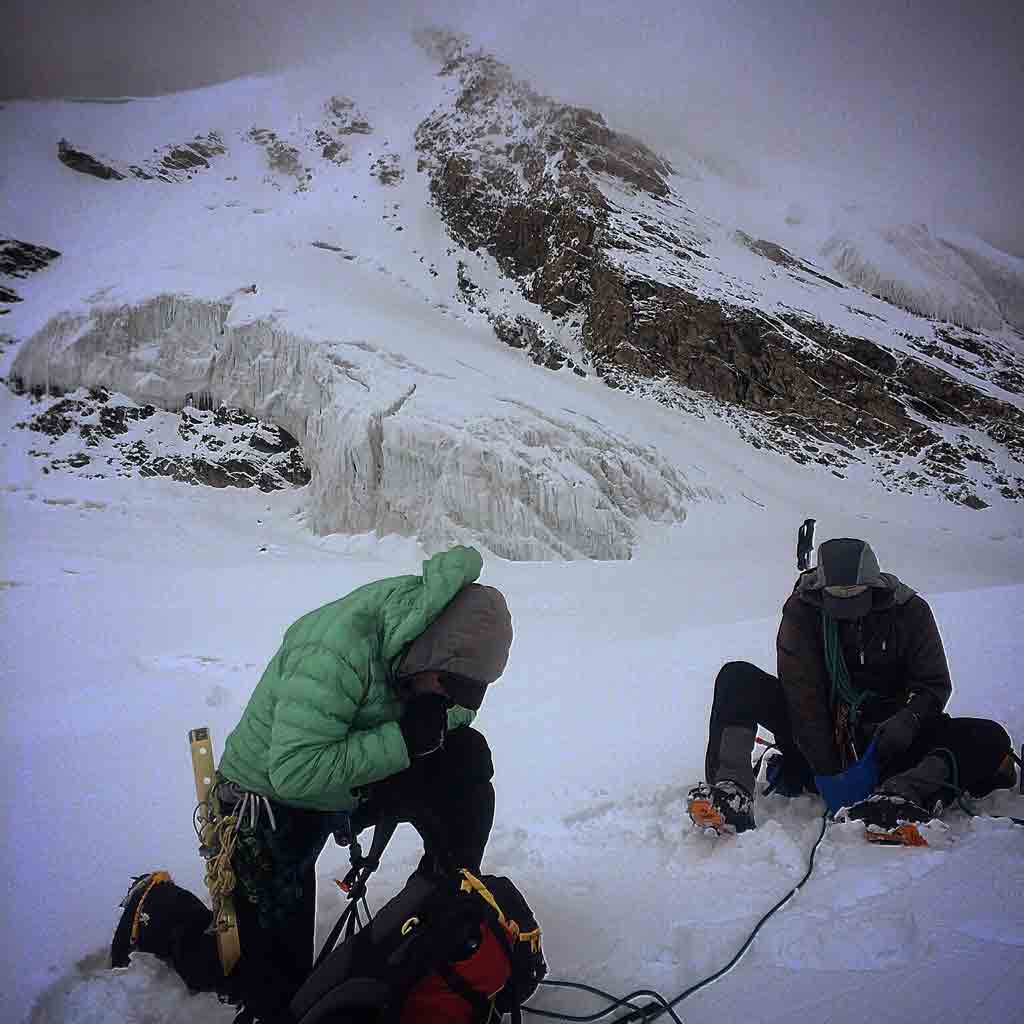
{"type": "Point", "coordinates": [805, 544]}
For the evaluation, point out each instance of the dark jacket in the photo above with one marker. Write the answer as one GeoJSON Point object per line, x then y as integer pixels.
{"type": "Point", "coordinates": [894, 651]}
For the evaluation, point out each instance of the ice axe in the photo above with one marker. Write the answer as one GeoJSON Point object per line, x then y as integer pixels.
{"type": "Point", "coordinates": [805, 544]}
{"type": "Point", "coordinates": [207, 819]}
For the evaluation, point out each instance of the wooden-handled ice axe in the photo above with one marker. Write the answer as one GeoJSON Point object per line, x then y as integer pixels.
{"type": "Point", "coordinates": [208, 820]}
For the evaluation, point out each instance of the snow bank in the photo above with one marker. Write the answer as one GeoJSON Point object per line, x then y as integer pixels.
{"type": "Point", "coordinates": [394, 447]}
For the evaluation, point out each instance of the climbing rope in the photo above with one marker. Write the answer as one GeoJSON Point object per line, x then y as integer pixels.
{"type": "Point", "coordinates": [842, 687]}
{"type": "Point", "coordinates": [217, 836]}
{"type": "Point", "coordinates": [660, 1005]}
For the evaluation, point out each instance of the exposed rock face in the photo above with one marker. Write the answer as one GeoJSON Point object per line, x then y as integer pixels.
{"type": "Point", "coordinates": [282, 157]}
{"type": "Point", "coordinates": [519, 332]}
{"type": "Point", "coordinates": [175, 162]}
{"type": "Point", "coordinates": [589, 223]}
{"type": "Point", "coordinates": [19, 259]}
{"type": "Point", "coordinates": [181, 162]}
{"type": "Point", "coordinates": [85, 164]}
{"type": "Point", "coordinates": [96, 435]}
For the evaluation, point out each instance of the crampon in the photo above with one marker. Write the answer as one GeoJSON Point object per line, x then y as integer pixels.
{"type": "Point", "coordinates": [890, 820]}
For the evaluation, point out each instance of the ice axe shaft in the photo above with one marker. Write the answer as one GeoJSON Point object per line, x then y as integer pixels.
{"type": "Point", "coordinates": [228, 944]}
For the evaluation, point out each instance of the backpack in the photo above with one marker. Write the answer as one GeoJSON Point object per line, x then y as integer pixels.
{"type": "Point", "coordinates": [449, 948]}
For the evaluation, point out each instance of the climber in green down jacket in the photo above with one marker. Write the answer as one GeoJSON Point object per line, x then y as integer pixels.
{"type": "Point", "coordinates": [362, 715]}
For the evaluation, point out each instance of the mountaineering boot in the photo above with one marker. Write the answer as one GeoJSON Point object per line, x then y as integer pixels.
{"type": "Point", "coordinates": [721, 806]}
{"type": "Point", "coordinates": [890, 819]}
{"type": "Point", "coordinates": [170, 922]}
{"type": "Point", "coordinates": [126, 934]}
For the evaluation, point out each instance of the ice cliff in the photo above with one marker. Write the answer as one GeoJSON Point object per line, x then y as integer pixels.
{"type": "Point", "coordinates": [388, 442]}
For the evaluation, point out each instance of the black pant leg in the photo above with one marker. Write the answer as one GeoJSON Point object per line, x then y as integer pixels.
{"type": "Point", "coordinates": [447, 796]}
{"type": "Point", "coordinates": [979, 746]}
{"type": "Point", "coordinates": [277, 938]}
{"type": "Point", "coordinates": [461, 796]}
{"type": "Point", "coordinates": [748, 696]}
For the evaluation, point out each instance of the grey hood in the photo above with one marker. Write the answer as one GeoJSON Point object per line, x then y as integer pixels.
{"type": "Point", "coordinates": [846, 561]}
{"type": "Point", "coordinates": [471, 638]}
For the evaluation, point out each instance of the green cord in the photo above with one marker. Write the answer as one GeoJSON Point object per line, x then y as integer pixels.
{"type": "Point", "coordinates": [842, 688]}
{"type": "Point", "coordinates": [954, 769]}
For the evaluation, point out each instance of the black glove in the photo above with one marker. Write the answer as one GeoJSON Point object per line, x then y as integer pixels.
{"type": "Point", "coordinates": [425, 723]}
{"type": "Point", "coordinates": [895, 735]}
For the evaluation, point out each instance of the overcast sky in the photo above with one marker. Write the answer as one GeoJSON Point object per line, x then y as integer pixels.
{"type": "Point", "coordinates": [919, 99]}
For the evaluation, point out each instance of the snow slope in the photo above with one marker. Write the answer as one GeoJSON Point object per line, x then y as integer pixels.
{"type": "Point", "coordinates": [137, 609]}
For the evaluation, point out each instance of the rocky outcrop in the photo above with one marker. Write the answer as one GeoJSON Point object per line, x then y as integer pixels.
{"type": "Point", "coordinates": [282, 157]}
{"type": "Point", "coordinates": [182, 162]}
{"type": "Point", "coordinates": [523, 333]}
{"type": "Point", "coordinates": [84, 163]}
{"type": "Point", "coordinates": [19, 259]}
{"type": "Point", "coordinates": [95, 434]}
{"type": "Point", "coordinates": [588, 223]}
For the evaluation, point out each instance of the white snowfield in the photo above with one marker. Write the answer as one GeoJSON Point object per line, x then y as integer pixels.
{"type": "Point", "coordinates": [136, 609]}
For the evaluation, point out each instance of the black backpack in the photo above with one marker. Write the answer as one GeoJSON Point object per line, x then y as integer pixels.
{"type": "Point", "coordinates": [449, 947]}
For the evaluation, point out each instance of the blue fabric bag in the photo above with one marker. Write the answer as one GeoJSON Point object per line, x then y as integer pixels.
{"type": "Point", "coordinates": [856, 783]}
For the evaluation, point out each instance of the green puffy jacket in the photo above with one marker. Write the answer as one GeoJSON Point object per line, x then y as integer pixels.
{"type": "Point", "coordinates": [323, 718]}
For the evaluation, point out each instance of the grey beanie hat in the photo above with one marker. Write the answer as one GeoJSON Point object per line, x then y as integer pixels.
{"type": "Point", "coordinates": [847, 562]}
{"type": "Point", "coordinates": [470, 639]}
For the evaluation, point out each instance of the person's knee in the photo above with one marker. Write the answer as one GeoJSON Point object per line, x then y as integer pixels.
{"type": "Point", "coordinates": [733, 678]}
{"type": "Point", "coordinates": [468, 756]}
{"type": "Point", "coordinates": [983, 734]}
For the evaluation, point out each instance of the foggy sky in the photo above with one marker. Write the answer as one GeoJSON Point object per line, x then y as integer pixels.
{"type": "Point", "coordinates": [918, 101]}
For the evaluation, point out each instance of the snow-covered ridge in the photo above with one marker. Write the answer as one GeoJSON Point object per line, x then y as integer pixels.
{"type": "Point", "coordinates": [387, 441]}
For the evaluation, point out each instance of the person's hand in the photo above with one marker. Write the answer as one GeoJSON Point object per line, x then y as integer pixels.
{"type": "Point", "coordinates": [895, 735]}
{"type": "Point", "coordinates": [424, 724]}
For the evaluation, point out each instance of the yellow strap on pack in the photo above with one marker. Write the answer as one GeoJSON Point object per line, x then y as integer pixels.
{"type": "Point", "coordinates": [470, 883]}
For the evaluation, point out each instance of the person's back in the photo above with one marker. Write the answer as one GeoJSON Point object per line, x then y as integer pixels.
{"type": "Point", "coordinates": [323, 718]}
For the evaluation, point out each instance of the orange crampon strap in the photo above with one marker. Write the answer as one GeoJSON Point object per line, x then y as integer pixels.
{"type": "Point", "coordinates": [155, 879]}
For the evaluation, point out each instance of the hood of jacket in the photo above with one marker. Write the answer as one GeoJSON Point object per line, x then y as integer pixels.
{"type": "Point", "coordinates": [471, 638]}
{"type": "Point", "coordinates": [887, 590]}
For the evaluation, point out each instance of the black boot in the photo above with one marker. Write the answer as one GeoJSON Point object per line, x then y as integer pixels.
{"type": "Point", "coordinates": [170, 922]}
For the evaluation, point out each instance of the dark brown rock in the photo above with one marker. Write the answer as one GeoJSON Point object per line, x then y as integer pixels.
{"type": "Point", "coordinates": [85, 164]}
